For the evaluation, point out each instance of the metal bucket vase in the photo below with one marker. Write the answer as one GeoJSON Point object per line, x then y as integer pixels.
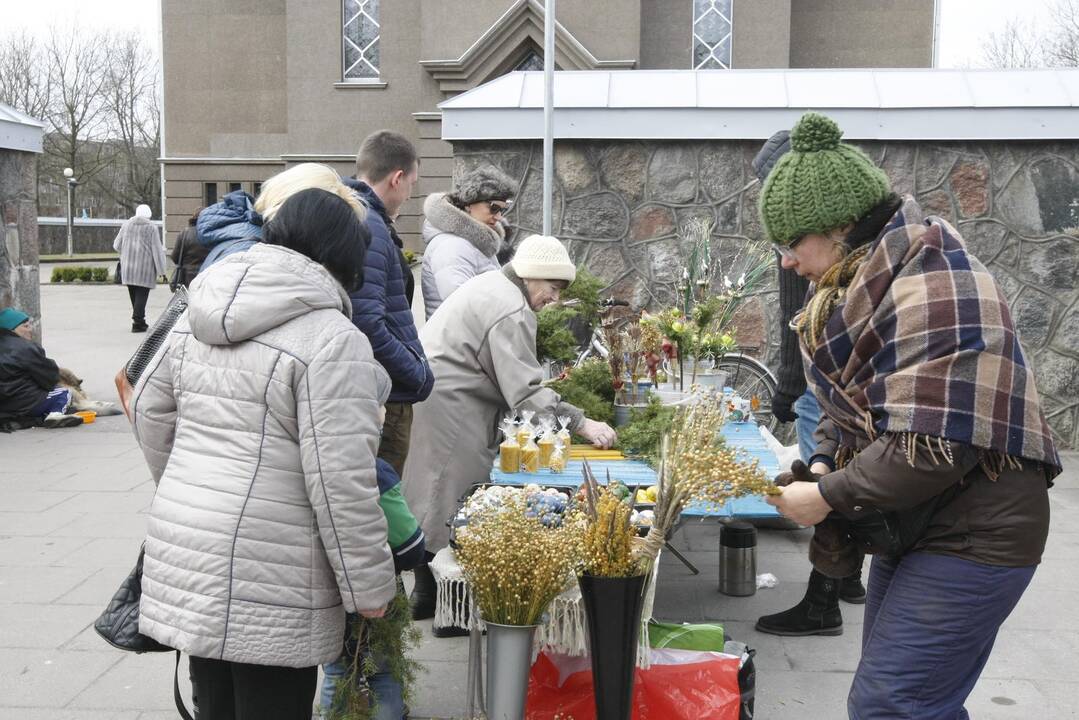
{"type": "Point", "coordinates": [613, 608]}
{"type": "Point", "coordinates": [509, 660]}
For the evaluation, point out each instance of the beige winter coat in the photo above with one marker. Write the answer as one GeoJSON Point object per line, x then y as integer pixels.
{"type": "Point", "coordinates": [259, 421]}
{"type": "Point", "coordinates": [481, 345]}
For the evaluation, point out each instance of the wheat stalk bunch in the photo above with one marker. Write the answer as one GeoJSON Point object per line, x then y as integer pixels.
{"type": "Point", "coordinates": [696, 465]}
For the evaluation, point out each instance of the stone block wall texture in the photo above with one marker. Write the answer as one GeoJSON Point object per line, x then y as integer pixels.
{"type": "Point", "coordinates": [18, 244]}
{"type": "Point", "coordinates": [620, 207]}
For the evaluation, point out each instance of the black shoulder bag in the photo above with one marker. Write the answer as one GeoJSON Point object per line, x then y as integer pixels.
{"type": "Point", "coordinates": [119, 627]}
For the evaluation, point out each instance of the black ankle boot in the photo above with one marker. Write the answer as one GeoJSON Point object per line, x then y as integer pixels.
{"type": "Point", "coordinates": [422, 600]}
{"type": "Point", "coordinates": [851, 589]}
{"type": "Point", "coordinates": [817, 613]}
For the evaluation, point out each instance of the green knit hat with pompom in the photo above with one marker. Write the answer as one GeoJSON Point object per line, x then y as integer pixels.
{"type": "Point", "coordinates": [820, 185]}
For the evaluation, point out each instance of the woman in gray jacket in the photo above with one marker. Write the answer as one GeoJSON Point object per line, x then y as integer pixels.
{"type": "Point", "coordinates": [259, 419]}
{"type": "Point", "coordinates": [463, 233]}
{"type": "Point", "coordinates": [142, 262]}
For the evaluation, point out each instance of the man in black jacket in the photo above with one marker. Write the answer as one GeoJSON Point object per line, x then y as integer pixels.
{"type": "Point", "coordinates": [818, 613]}
{"type": "Point", "coordinates": [29, 392]}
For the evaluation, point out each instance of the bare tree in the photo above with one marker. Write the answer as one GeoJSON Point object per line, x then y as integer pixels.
{"type": "Point", "coordinates": [78, 70]}
{"type": "Point", "coordinates": [25, 82]}
{"type": "Point", "coordinates": [130, 96]}
{"type": "Point", "coordinates": [1063, 45]}
{"type": "Point", "coordinates": [1017, 45]}
{"type": "Point", "coordinates": [1021, 45]}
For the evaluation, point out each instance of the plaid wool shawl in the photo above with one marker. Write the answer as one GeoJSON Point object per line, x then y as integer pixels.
{"type": "Point", "coordinates": [923, 344]}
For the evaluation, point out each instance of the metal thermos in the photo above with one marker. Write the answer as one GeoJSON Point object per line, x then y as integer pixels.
{"type": "Point", "coordinates": [738, 559]}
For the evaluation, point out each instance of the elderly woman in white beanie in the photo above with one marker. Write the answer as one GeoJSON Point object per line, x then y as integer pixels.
{"type": "Point", "coordinates": [142, 261]}
{"type": "Point", "coordinates": [481, 345]}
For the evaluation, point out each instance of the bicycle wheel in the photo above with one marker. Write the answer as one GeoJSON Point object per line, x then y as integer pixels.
{"type": "Point", "coordinates": [750, 379]}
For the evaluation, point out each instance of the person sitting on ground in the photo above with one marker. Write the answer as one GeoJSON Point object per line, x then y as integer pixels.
{"type": "Point", "coordinates": [482, 347]}
{"type": "Point", "coordinates": [463, 233]}
{"type": "Point", "coordinates": [407, 544]}
{"type": "Point", "coordinates": [30, 391]}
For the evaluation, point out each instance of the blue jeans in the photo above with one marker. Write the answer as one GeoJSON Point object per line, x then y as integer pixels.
{"type": "Point", "coordinates": [806, 424]}
{"type": "Point", "coordinates": [386, 690]}
{"type": "Point", "coordinates": [930, 624]}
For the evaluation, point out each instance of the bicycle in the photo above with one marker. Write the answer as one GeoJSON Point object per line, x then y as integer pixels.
{"type": "Point", "coordinates": [746, 375]}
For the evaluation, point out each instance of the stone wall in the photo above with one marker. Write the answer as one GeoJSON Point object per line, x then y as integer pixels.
{"type": "Point", "coordinates": [620, 205]}
{"type": "Point", "coordinates": [18, 244]}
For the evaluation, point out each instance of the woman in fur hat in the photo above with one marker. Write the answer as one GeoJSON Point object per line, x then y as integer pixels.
{"type": "Point", "coordinates": [463, 232]}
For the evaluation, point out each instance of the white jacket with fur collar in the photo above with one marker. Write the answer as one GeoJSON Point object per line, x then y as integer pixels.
{"type": "Point", "coordinates": [457, 248]}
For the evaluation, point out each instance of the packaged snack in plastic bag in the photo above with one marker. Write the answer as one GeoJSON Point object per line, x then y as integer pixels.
{"type": "Point", "coordinates": [509, 452]}
{"type": "Point", "coordinates": [529, 451]}
{"type": "Point", "coordinates": [525, 430]}
{"type": "Point", "coordinates": [563, 431]}
{"type": "Point", "coordinates": [546, 441]}
{"type": "Point", "coordinates": [557, 461]}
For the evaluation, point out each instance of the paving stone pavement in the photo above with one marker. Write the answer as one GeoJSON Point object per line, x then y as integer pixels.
{"type": "Point", "coordinates": [73, 507]}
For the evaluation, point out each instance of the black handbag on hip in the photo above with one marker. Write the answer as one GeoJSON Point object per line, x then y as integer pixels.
{"type": "Point", "coordinates": [119, 627]}
{"type": "Point", "coordinates": [119, 624]}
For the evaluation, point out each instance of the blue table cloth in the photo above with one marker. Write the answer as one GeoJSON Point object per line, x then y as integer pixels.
{"type": "Point", "coordinates": [742, 436]}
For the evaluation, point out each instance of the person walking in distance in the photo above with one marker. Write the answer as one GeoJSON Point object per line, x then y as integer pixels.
{"type": "Point", "coordinates": [142, 262]}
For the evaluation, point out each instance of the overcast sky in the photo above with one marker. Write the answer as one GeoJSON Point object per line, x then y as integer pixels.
{"type": "Point", "coordinates": [963, 23]}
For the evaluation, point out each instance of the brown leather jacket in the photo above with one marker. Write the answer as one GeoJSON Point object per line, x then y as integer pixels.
{"type": "Point", "coordinates": [1000, 522]}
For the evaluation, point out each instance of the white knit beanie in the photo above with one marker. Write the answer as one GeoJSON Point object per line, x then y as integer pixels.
{"type": "Point", "coordinates": [543, 257]}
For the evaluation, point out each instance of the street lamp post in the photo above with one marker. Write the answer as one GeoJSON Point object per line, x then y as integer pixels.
{"type": "Point", "coordinates": [71, 183]}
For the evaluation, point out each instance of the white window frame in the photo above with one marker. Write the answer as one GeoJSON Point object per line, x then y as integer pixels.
{"type": "Point", "coordinates": [375, 81]}
{"type": "Point", "coordinates": [694, 39]}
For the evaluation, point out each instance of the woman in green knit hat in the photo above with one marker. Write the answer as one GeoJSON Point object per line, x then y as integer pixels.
{"type": "Point", "coordinates": [933, 452]}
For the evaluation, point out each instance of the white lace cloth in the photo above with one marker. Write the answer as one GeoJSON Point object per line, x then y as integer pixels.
{"type": "Point", "coordinates": [564, 630]}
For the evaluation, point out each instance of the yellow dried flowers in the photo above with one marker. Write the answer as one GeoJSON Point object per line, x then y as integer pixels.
{"type": "Point", "coordinates": [514, 564]}
{"type": "Point", "coordinates": [607, 548]}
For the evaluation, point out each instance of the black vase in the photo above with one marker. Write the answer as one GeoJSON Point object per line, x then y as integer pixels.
{"type": "Point", "coordinates": [613, 606]}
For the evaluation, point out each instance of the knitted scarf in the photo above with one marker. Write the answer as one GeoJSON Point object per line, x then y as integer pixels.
{"type": "Point", "coordinates": [911, 336]}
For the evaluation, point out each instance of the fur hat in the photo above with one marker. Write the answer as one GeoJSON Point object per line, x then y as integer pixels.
{"type": "Point", "coordinates": [542, 257]}
{"type": "Point", "coordinates": [484, 183]}
{"type": "Point", "coordinates": [144, 212]}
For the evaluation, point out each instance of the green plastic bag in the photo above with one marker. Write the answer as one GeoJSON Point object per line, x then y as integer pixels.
{"type": "Point", "coordinates": [703, 636]}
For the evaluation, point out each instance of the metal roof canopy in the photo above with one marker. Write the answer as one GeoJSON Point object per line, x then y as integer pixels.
{"type": "Point", "coordinates": [19, 132]}
{"type": "Point", "coordinates": [752, 104]}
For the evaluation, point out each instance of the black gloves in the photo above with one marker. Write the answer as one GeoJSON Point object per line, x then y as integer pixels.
{"type": "Point", "coordinates": [781, 407]}
{"type": "Point", "coordinates": [799, 472]}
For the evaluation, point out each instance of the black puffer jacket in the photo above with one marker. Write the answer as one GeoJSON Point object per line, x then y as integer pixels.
{"type": "Point", "coordinates": [26, 375]}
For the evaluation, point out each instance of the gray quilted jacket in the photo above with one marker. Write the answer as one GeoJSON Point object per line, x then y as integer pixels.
{"type": "Point", "coordinates": [259, 420]}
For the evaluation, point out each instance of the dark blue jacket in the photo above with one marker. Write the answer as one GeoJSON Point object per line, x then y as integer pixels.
{"type": "Point", "coordinates": [229, 226]}
{"type": "Point", "coordinates": [382, 311]}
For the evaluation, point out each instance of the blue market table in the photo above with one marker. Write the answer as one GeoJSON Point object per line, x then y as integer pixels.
{"type": "Point", "coordinates": [743, 436]}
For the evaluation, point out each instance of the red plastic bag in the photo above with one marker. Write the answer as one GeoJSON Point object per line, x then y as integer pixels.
{"type": "Point", "coordinates": [679, 685]}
